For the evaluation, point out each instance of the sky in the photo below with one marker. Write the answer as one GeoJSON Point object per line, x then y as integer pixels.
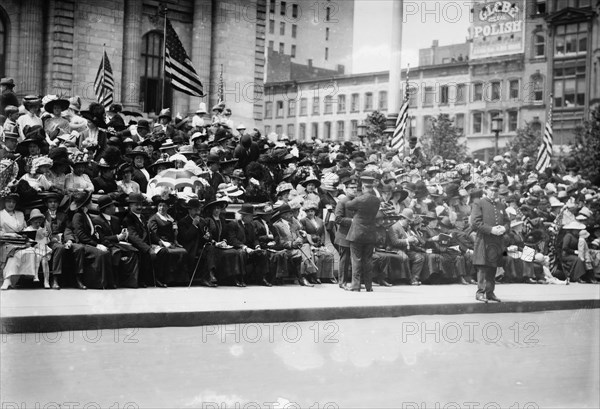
{"type": "Point", "coordinates": [424, 21]}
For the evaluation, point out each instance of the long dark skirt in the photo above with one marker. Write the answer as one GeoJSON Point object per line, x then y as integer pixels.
{"type": "Point", "coordinates": [573, 267]}
{"type": "Point", "coordinates": [171, 265]}
{"type": "Point", "coordinates": [228, 263]}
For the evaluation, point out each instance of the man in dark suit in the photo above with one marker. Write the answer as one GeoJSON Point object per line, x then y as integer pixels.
{"type": "Point", "coordinates": [242, 236]}
{"type": "Point", "coordinates": [362, 234]}
{"type": "Point", "coordinates": [278, 263]}
{"type": "Point", "coordinates": [124, 256]}
{"type": "Point", "coordinates": [343, 219]}
{"type": "Point", "coordinates": [490, 221]}
{"type": "Point", "coordinates": [194, 239]}
{"type": "Point", "coordinates": [139, 237]}
{"type": "Point", "coordinates": [247, 151]}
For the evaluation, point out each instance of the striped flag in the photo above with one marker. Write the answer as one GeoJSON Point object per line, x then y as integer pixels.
{"type": "Point", "coordinates": [399, 137]}
{"type": "Point", "coordinates": [545, 152]}
{"type": "Point", "coordinates": [179, 66]}
{"type": "Point", "coordinates": [104, 83]}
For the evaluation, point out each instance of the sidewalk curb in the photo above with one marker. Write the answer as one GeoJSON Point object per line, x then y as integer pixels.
{"type": "Point", "coordinates": [54, 323]}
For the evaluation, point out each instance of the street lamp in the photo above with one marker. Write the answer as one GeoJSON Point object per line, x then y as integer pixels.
{"type": "Point", "coordinates": [497, 128]}
{"type": "Point", "coordinates": [362, 130]}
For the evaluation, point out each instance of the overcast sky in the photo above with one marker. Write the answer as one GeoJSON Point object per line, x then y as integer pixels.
{"type": "Point", "coordinates": [446, 21]}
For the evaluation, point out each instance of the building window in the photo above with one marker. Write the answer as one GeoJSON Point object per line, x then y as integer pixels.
{"type": "Point", "coordinates": [571, 39]}
{"type": "Point", "coordinates": [341, 104]}
{"type": "Point", "coordinates": [368, 101]}
{"type": "Point", "coordinates": [477, 122]}
{"type": "Point", "coordinates": [328, 105]}
{"type": "Point", "coordinates": [461, 94]}
{"type": "Point", "coordinates": [294, 30]}
{"type": "Point", "coordinates": [315, 106]}
{"type": "Point", "coordinates": [496, 91]}
{"type": "Point", "coordinates": [294, 11]}
{"type": "Point", "coordinates": [354, 103]}
{"type": "Point", "coordinates": [326, 33]}
{"type": "Point", "coordinates": [477, 92]}
{"type": "Point", "coordinates": [303, 107]}
{"type": "Point", "coordinates": [492, 115]}
{"type": "Point", "coordinates": [539, 45]}
{"type": "Point", "coordinates": [540, 7]}
{"type": "Point", "coordinates": [268, 110]}
{"type": "Point", "coordinates": [281, 48]}
{"type": "Point", "coordinates": [291, 131]}
{"type": "Point", "coordinates": [327, 130]}
{"type": "Point", "coordinates": [279, 109]}
{"type": "Point", "coordinates": [151, 80]}
{"type": "Point", "coordinates": [459, 122]}
{"type": "Point", "coordinates": [282, 10]}
{"type": "Point", "coordinates": [315, 130]}
{"type": "Point", "coordinates": [354, 129]}
{"type": "Point", "coordinates": [383, 101]}
{"type": "Point", "coordinates": [513, 121]}
{"type": "Point", "coordinates": [413, 126]}
{"type": "Point", "coordinates": [340, 130]}
{"type": "Point", "coordinates": [326, 54]}
{"type": "Point", "coordinates": [291, 108]}
{"type": "Point", "coordinates": [271, 26]}
{"type": "Point", "coordinates": [569, 86]}
{"type": "Point", "coordinates": [293, 52]}
{"type": "Point", "coordinates": [513, 87]}
{"type": "Point", "coordinates": [428, 97]}
{"type": "Point", "coordinates": [279, 129]}
{"type": "Point", "coordinates": [412, 96]}
{"type": "Point", "coordinates": [444, 94]}
{"type": "Point", "coordinates": [271, 44]}
{"type": "Point", "coordinates": [537, 88]}
{"type": "Point", "coordinates": [302, 131]}
{"type": "Point", "coordinates": [267, 129]}
{"type": "Point", "coordinates": [282, 28]}
{"type": "Point", "coordinates": [272, 6]}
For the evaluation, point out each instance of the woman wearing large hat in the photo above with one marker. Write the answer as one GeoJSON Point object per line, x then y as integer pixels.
{"type": "Point", "coordinates": [96, 136]}
{"type": "Point", "coordinates": [78, 180]}
{"type": "Point", "coordinates": [16, 257]}
{"type": "Point", "coordinates": [311, 184]}
{"type": "Point", "coordinates": [228, 262]}
{"type": "Point", "coordinates": [56, 124]}
{"type": "Point", "coordinates": [322, 257]}
{"type": "Point", "coordinates": [140, 160]}
{"type": "Point", "coordinates": [33, 108]}
{"type": "Point", "coordinates": [96, 253]}
{"type": "Point", "coordinates": [171, 257]}
{"type": "Point", "coordinates": [572, 266]}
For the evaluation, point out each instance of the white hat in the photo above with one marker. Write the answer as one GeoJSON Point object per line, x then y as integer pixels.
{"type": "Point", "coordinates": [202, 108]}
{"type": "Point", "coordinates": [575, 225]}
{"type": "Point", "coordinates": [516, 223]}
{"type": "Point", "coordinates": [554, 202]}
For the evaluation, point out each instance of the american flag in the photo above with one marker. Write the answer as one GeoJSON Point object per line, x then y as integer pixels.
{"type": "Point", "coordinates": [399, 137]}
{"type": "Point", "coordinates": [104, 83]}
{"type": "Point", "coordinates": [179, 66]}
{"type": "Point", "coordinates": [545, 152]}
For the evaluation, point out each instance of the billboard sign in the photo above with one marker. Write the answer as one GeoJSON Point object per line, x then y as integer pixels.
{"type": "Point", "coordinates": [497, 28]}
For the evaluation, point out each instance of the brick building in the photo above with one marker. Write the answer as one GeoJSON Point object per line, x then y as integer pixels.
{"type": "Point", "coordinates": [55, 47]}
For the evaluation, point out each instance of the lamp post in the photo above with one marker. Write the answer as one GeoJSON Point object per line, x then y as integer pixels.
{"type": "Point", "coordinates": [497, 128]}
{"type": "Point", "coordinates": [362, 131]}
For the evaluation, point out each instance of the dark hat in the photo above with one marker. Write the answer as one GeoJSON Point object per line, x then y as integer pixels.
{"type": "Point", "coordinates": [193, 204]}
{"type": "Point", "coordinates": [281, 210]}
{"type": "Point", "coordinates": [228, 162]}
{"type": "Point", "coordinates": [163, 160]}
{"type": "Point", "coordinates": [32, 99]}
{"type": "Point", "coordinates": [169, 200]}
{"type": "Point", "coordinates": [430, 215]}
{"type": "Point", "coordinates": [52, 196]}
{"type": "Point", "coordinates": [260, 210]}
{"type": "Point", "coordinates": [116, 108]}
{"type": "Point", "coordinates": [533, 238]}
{"type": "Point", "coordinates": [311, 179]}
{"type": "Point", "coordinates": [203, 147]}
{"type": "Point", "coordinates": [452, 190]}
{"type": "Point", "coordinates": [12, 196]}
{"type": "Point", "coordinates": [218, 201]}
{"type": "Point", "coordinates": [212, 158]}
{"type": "Point", "coordinates": [367, 180]}
{"type": "Point", "coordinates": [104, 201]}
{"type": "Point", "coordinates": [7, 81]}
{"type": "Point", "coordinates": [166, 113]}
{"type": "Point", "coordinates": [403, 193]}
{"type": "Point", "coordinates": [138, 151]}
{"type": "Point", "coordinates": [143, 123]}
{"type": "Point", "coordinates": [247, 208]}
{"type": "Point", "coordinates": [135, 198]}
{"type": "Point", "coordinates": [80, 199]}
{"type": "Point", "coordinates": [62, 103]}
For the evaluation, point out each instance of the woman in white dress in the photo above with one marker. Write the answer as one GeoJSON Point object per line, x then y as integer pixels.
{"type": "Point", "coordinates": [16, 258]}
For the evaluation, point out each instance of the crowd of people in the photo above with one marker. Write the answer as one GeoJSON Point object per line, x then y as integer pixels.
{"type": "Point", "coordinates": [104, 199]}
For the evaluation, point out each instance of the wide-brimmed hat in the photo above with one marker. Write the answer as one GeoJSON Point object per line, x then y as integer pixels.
{"type": "Point", "coordinates": [79, 158]}
{"type": "Point", "coordinates": [105, 165]}
{"type": "Point", "coordinates": [283, 187]}
{"type": "Point", "coordinates": [138, 151]}
{"type": "Point", "coordinates": [533, 238]}
{"type": "Point", "coordinates": [62, 103]}
{"type": "Point", "coordinates": [7, 81]}
{"type": "Point", "coordinates": [10, 109]}
{"type": "Point", "coordinates": [104, 201]}
{"type": "Point", "coordinates": [408, 214]}
{"type": "Point", "coordinates": [168, 144]}
{"type": "Point", "coordinates": [135, 198]}
{"type": "Point", "coordinates": [228, 162]}
{"type": "Point", "coordinates": [574, 225]}
{"type": "Point", "coordinates": [163, 160]}
{"type": "Point", "coordinates": [32, 99]}
{"type": "Point", "coordinates": [193, 204]}
{"type": "Point", "coordinates": [143, 124]}
{"type": "Point", "coordinates": [35, 214]}
{"type": "Point", "coordinates": [310, 205]}
{"type": "Point", "coordinates": [166, 113]}
{"type": "Point", "coordinates": [311, 179]}
{"type": "Point", "coordinates": [281, 210]}
{"type": "Point", "coordinates": [218, 107]}
{"type": "Point", "coordinates": [12, 196]}
{"type": "Point", "coordinates": [515, 223]}
{"type": "Point", "coordinates": [78, 123]}
{"type": "Point", "coordinates": [169, 200]}
{"type": "Point", "coordinates": [219, 201]}
{"type": "Point", "coordinates": [229, 190]}
{"type": "Point", "coordinates": [429, 215]}
{"type": "Point", "coordinates": [247, 208]}
{"type": "Point", "coordinates": [80, 199]}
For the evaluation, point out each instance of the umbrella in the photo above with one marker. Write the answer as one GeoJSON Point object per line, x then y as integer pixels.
{"type": "Point", "coordinates": [131, 113]}
{"type": "Point", "coordinates": [176, 179]}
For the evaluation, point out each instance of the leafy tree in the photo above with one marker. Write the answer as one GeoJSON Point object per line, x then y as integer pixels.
{"type": "Point", "coordinates": [585, 150]}
{"type": "Point", "coordinates": [375, 125]}
{"type": "Point", "coordinates": [527, 141]}
{"type": "Point", "coordinates": [443, 138]}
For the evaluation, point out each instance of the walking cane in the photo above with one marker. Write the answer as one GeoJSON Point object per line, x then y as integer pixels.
{"type": "Point", "coordinates": [198, 263]}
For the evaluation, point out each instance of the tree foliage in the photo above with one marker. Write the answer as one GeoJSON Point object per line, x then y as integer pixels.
{"type": "Point", "coordinates": [585, 150]}
{"type": "Point", "coordinates": [443, 139]}
{"type": "Point", "coordinates": [375, 125]}
{"type": "Point", "coordinates": [527, 141]}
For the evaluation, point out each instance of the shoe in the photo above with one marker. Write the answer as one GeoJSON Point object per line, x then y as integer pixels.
{"type": "Point", "coordinates": [80, 285]}
{"type": "Point", "coordinates": [5, 285]}
{"type": "Point", "coordinates": [304, 282]}
{"type": "Point", "coordinates": [55, 285]}
{"type": "Point", "coordinates": [266, 283]}
{"type": "Point", "coordinates": [415, 282]}
{"type": "Point", "coordinates": [160, 284]}
{"type": "Point", "coordinates": [593, 281]}
{"type": "Point", "coordinates": [384, 283]}
{"type": "Point", "coordinates": [349, 288]}
{"type": "Point", "coordinates": [369, 290]}
{"type": "Point", "coordinates": [207, 283]}
{"type": "Point", "coordinates": [580, 281]}
{"type": "Point", "coordinates": [46, 285]}
{"type": "Point", "coordinates": [481, 297]}
{"type": "Point", "coordinates": [530, 280]}
{"type": "Point", "coordinates": [341, 285]}
{"type": "Point", "coordinates": [567, 281]}
{"type": "Point", "coordinates": [239, 283]}
{"type": "Point", "coordinates": [212, 278]}
{"type": "Point", "coordinates": [463, 281]}
{"type": "Point", "coordinates": [316, 280]}
{"type": "Point", "coordinates": [471, 281]}
{"type": "Point", "coordinates": [492, 297]}
{"type": "Point", "coordinates": [333, 280]}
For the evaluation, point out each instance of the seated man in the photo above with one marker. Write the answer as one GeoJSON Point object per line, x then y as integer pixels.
{"type": "Point", "coordinates": [403, 239]}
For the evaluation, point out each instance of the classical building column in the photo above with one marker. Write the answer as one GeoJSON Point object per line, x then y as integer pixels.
{"type": "Point", "coordinates": [132, 50]}
{"type": "Point", "coordinates": [31, 47]}
{"type": "Point", "coordinates": [395, 84]}
{"type": "Point", "coordinates": [201, 53]}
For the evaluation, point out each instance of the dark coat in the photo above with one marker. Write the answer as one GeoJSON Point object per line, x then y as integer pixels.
{"type": "Point", "coordinates": [343, 219]}
{"type": "Point", "coordinates": [139, 235]}
{"type": "Point", "coordinates": [362, 229]}
{"type": "Point", "coordinates": [488, 249]}
{"type": "Point", "coordinates": [106, 185]}
{"type": "Point", "coordinates": [140, 178]}
{"type": "Point", "coordinates": [239, 235]}
{"type": "Point", "coordinates": [60, 224]}
{"type": "Point", "coordinates": [84, 233]}
{"type": "Point", "coordinates": [244, 156]}
{"type": "Point", "coordinates": [261, 232]}
{"type": "Point", "coordinates": [107, 231]}
{"type": "Point", "coordinates": [190, 236]}
{"type": "Point", "coordinates": [8, 97]}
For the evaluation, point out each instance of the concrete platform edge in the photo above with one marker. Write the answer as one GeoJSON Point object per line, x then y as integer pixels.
{"type": "Point", "coordinates": [38, 324]}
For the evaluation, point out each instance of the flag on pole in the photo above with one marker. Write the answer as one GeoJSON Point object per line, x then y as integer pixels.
{"type": "Point", "coordinates": [545, 152]}
{"type": "Point", "coordinates": [104, 83]}
{"type": "Point", "coordinates": [398, 139]}
{"type": "Point", "coordinates": [179, 66]}
{"type": "Point", "coordinates": [221, 87]}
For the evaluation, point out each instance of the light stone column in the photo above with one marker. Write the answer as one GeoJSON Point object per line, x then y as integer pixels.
{"type": "Point", "coordinates": [201, 53]}
{"type": "Point", "coordinates": [132, 51]}
{"type": "Point", "coordinates": [31, 47]}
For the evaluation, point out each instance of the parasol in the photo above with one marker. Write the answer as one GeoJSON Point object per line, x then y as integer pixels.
{"type": "Point", "coordinates": [176, 179]}
{"type": "Point", "coordinates": [131, 113]}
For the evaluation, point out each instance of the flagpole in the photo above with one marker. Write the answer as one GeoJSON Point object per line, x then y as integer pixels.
{"type": "Point", "coordinates": [103, 74]}
{"type": "Point", "coordinates": [407, 116]}
{"type": "Point", "coordinates": [162, 96]}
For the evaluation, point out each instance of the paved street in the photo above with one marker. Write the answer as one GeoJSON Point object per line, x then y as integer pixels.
{"type": "Point", "coordinates": [527, 360]}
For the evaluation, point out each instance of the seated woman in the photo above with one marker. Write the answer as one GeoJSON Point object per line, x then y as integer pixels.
{"type": "Point", "coordinates": [518, 268]}
{"type": "Point", "coordinates": [315, 230]}
{"type": "Point", "coordinates": [17, 258]}
{"type": "Point", "coordinates": [126, 184]}
{"type": "Point", "coordinates": [38, 173]}
{"type": "Point", "coordinates": [42, 251]}
{"type": "Point", "coordinates": [228, 262]}
{"type": "Point", "coordinates": [171, 257]}
{"type": "Point", "coordinates": [573, 268]}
